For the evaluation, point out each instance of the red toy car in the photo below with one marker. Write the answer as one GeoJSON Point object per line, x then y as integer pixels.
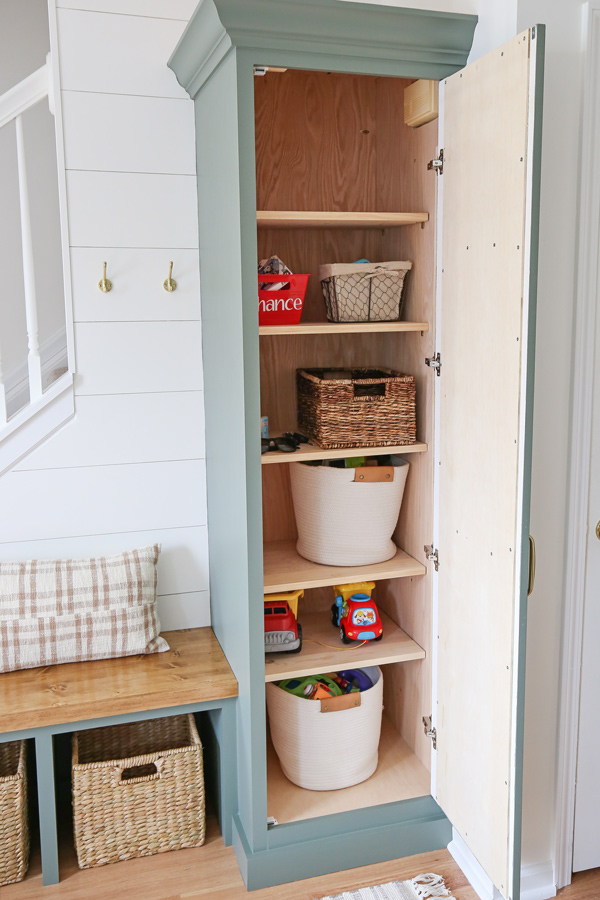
{"type": "Point", "coordinates": [283, 632]}
{"type": "Point", "coordinates": [355, 613]}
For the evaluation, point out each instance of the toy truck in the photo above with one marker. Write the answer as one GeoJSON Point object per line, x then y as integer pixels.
{"type": "Point", "coordinates": [355, 613]}
{"type": "Point", "coordinates": [283, 632]}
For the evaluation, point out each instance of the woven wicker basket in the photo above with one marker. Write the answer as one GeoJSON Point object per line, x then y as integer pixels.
{"type": "Point", "coordinates": [138, 789]}
{"type": "Point", "coordinates": [340, 408]}
{"type": "Point", "coordinates": [14, 828]}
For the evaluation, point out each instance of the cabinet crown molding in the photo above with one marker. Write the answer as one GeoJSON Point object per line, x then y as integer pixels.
{"type": "Point", "coordinates": [350, 37]}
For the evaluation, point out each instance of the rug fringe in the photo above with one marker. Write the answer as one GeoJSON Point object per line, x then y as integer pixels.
{"type": "Point", "coordinates": [429, 886]}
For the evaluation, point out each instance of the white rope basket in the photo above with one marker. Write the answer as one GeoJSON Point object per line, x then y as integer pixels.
{"type": "Point", "coordinates": [326, 751]}
{"type": "Point", "coordinates": [342, 522]}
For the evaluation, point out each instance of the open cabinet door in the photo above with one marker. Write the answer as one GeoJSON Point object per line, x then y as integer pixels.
{"type": "Point", "coordinates": [490, 198]}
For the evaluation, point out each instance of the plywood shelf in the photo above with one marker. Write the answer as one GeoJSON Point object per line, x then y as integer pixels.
{"type": "Point", "coordinates": [400, 775]}
{"type": "Point", "coordinates": [328, 219]}
{"type": "Point", "coordinates": [307, 452]}
{"type": "Point", "coordinates": [343, 328]}
{"type": "Point", "coordinates": [323, 650]}
{"type": "Point", "coordinates": [285, 570]}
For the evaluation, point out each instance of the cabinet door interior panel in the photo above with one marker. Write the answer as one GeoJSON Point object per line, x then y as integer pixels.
{"type": "Point", "coordinates": [481, 435]}
{"type": "Point", "coordinates": [400, 776]}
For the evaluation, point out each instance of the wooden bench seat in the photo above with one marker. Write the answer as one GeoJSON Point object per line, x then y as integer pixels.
{"type": "Point", "coordinates": [194, 670]}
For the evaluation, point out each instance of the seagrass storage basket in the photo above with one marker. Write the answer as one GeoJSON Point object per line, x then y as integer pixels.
{"type": "Point", "coordinates": [138, 789]}
{"type": "Point", "coordinates": [14, 827]}
{"type": "Point", "coordinates": [340, 408]}
{"type": "Point", "coordinates": [363, 292]}
{"type": "Point", "coordinates": [327, 745]}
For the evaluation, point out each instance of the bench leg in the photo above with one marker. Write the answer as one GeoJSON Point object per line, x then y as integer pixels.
{"type": "Point", "coordinates": [228, 767]}
{"type": "Point", "coordinates": [44, 756]}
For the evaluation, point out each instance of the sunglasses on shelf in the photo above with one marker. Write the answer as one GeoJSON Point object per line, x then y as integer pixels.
{"type": "Point", "coordinates": [286, 443]}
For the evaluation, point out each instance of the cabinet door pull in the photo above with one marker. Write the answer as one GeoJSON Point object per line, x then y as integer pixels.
{"type": "Point", "coordinates": [531, 579]}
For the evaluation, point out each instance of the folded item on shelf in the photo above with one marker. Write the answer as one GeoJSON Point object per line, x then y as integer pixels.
{"type": "Point", "coordinates": [273, 266]}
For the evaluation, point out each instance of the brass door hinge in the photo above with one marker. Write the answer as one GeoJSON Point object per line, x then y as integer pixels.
{"type": "Point", "coordinates": [430, 731]}
{"type": "Point", "coordinates": [432, 554]}
{"type": "Point", "coordinates": [437, 164]}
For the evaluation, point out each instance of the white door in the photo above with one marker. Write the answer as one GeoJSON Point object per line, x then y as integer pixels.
{"type": "Point", "coordinates": [586, 843]}
{"type": "Point", "coordinates": [488, 262]}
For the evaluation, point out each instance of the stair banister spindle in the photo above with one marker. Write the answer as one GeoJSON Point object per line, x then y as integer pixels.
{"type": "Point", "coordinates": [33, 359]}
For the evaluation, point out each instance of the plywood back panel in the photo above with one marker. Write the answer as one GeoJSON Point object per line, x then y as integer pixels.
{"type": "Point", "coordinates": [328, 142]}
{"type": "Point", "coordinates": [344, 146]}
{"type": "Point", "coordinates": [485, 172]}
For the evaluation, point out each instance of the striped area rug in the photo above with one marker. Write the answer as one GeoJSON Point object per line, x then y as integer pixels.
{"type": "Point", "coordinates": [423, 887]}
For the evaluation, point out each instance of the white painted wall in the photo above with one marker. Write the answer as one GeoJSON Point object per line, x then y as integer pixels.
{"type": "Point", "coordinates": [24, 43]}
{"type": "Point", "coordinates": [129, 470]}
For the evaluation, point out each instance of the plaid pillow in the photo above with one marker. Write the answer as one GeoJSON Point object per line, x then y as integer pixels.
{"type": "Point", "coordinates": [68, 610]}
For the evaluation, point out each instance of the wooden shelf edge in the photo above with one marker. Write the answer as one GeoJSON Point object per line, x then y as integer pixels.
{"type": "Point", "coordinates": [285, 570]}
{"type": "Point", "coordinates": [342, 328]}
{"type": "Point", "coordinates": [307, 452]}
{"type": "Point", "coordinates": [325, 219]}
{"type": "Point", "coordinates": [317, 630]}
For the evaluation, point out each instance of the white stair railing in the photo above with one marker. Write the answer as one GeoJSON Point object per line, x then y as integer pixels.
{"type": "Point", "coordinates": [34, 362]}
{"type": "Point", "coordinates": [46, 410]}
{"type": "Point", "coordinates": [13, 104]}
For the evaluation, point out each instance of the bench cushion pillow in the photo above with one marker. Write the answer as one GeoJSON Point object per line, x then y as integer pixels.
{"type": "Point", "coordinates": [68, 610]}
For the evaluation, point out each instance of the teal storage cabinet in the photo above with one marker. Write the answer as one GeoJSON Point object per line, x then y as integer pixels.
{"type": "Point", "coordinates": [302, 151]}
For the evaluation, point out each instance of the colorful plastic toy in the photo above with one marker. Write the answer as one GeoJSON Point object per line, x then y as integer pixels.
{"type": "Point", "coordinates": [283, 632]}
{"type": "Point", "coordinates": [355, 613]}
{"type": "Point", "coordinates": [313, 687]}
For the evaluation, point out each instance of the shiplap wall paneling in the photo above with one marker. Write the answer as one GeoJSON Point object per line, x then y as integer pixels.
{"type": "Point", "coordinates": [132, 357]}
{"type": "Point", "coordinates": [71, 502]}
{"type": "Point", "coordinates": [137, 277]}
{"type": "Point", "coordinates": [173, 9]}
{"type": "Point", "coordinates": [126, 428]}
{"type": "Point", "coordinates": [137, 137]}
{"type": "Point", "coordinates": [117, 54]}
{"type": "Point", "coordinates": [182, 565]}
{"type": "Point", "coordinates": [184, 610]}
{"type": "Point", "coordinates": [116, 209]}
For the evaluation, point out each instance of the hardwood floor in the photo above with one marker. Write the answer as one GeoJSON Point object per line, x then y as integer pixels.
{"type": "Point", "coordinates": [211, 872]}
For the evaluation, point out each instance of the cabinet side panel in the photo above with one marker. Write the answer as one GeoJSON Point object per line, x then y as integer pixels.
{"type": "Point", "coordinates": [230, 351]}
{"type": "Point", "coordinates": [405, 183]}
{"type": "Point", "coordinates": [484, 325]}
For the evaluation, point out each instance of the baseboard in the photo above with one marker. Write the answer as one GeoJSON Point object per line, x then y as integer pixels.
{"type": "Point", "coordinates": [537, 881]}
{"type": "Point", "coordinates": [478, 879]}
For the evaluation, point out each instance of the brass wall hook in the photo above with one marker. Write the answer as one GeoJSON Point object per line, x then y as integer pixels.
{"type": "Point", "coordinates": [104, 284]}
{"type": "Point", "coordinates": [169, 283]}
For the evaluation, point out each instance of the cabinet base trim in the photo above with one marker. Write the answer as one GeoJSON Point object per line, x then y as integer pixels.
{"type": "Point", "coordinates": [321, 854]}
